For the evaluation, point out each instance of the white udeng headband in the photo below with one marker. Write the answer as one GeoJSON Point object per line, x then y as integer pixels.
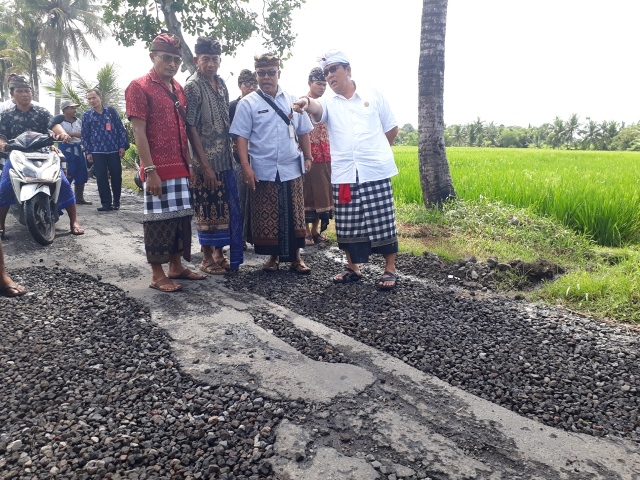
{"type": "Point", "coordinates": [332, 56]}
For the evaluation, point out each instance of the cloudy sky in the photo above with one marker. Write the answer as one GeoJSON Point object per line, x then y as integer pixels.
{"type": "Point", "coordinates": [515, 62]}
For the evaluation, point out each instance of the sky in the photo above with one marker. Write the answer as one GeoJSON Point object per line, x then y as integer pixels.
{"type": "Point", "coordinates": [514, 62]}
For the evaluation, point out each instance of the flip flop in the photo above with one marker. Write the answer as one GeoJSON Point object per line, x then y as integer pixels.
{"type": "Point", "coordinates": [187, 274]}
{"type": "Point", "coordinates": [212, 268]}
{"type": "Point", "coordinates": [308, 240]}
{"type": "Point", "coordinates": [348, 276]}
{"type": "Point", "coordinates": [387, 277]}
{"type": "Point", "coordinates": [19, 290]}
{"type": "Point", "coordinates": [165, 285]}
{"type": "Point", "coordinates": [77, 231]}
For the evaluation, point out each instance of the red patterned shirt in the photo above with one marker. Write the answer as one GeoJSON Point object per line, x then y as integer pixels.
{"type": "Point", "coordinates": [319, 138]}
{"type": "Point", "coordinates": [147, 100]}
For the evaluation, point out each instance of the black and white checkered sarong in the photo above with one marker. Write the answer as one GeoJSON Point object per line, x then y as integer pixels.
{"type": "Point", "coordinates": [369, 216]}
{"type": "Point", "coordinates": [175, 201]}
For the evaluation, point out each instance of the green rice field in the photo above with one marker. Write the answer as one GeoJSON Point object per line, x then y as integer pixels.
{"type": "Point", "coordinates": [593, 192]}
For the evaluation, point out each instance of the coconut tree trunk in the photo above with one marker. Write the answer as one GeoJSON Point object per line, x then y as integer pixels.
{"type": "Point", "coordinates": [59, 66]}
{"type": "Point", "coordinates": [35, 82]}
{"type": "Point", "coordinates": [4, 91]}
{"type": "Point", "coordinates": [435, 177]}
{"type": "Point", "coordinates": [174, 27]}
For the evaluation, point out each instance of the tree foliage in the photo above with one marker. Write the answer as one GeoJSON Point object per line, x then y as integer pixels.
{"type": "Point", "coordinates": [233, 21]}
{"type": "Point", "coordinates": [560, 134]}
{"type": "Point", "coordinates": [34, 32]}
{"type": "Point", "coordinates": [75, 89]}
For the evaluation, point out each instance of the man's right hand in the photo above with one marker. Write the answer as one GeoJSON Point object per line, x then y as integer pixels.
{"type": "Point", "coordinates": [210, 179]}
{"type": "Point", "coordinates": [249, 176]}
{"type": "Point", "coordinates": [154, 184]}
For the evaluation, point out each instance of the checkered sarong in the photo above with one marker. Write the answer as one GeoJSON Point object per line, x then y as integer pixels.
{"type": "Point", "coordinates": [369, 216]}
{"type": "Point", "coordinates": [175, 201]}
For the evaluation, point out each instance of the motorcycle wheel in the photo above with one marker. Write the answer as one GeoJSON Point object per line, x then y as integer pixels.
{"type": "Point", "coordinates": [35, 212]}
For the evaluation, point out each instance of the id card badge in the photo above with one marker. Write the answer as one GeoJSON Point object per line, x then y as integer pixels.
{"type": "Point", "coordinates": [292, 132]}
{"type": "Point", "coordinates": [108, 126]}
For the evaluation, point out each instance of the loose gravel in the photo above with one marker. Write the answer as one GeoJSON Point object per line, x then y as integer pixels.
{"type": "Point", "coordinates": [89, 388]}
{"type": "Point", "coordinates": [560, 369]}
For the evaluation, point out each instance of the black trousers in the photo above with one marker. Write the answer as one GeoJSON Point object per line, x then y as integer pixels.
{"type": "Point", "coordinates": [105, 165]}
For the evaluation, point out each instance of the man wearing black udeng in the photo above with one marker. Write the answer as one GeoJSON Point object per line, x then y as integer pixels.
{"type": "Point", "coordinates": [28, 117]}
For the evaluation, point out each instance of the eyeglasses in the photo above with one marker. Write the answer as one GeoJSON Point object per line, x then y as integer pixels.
{"type": "Point", "coordinates": [271, 73]}
{"type": "Point", "coordinates": [249, 85]}
{"type": "Point", "coordinates": [333, 69]}
{"type": "Point", "coordinates": [169, 58]}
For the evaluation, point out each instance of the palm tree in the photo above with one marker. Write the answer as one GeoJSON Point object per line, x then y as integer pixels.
{"type": "Point", "coordinates": [609, 129]}
{"type": "Point", "coordinates": [435, 177]}
{"type": "Point", "coordinates": [66, 26]}
{"type": "Point", "coordinates": [75, 90]}
{"type": "Point", "coordinates": [27, 29]}
{"type": "Point", "coordinates": [556, 134]}
{"type": "Point", "coordinates": [571, 127]}
{"type": "Point", "coordinates": [591, 135]}
{"type": "Point", "coordinates": [458, 135]}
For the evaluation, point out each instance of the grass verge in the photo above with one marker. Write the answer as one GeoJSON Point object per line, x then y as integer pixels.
{"type": "Point", "coordinates": [602, 282]}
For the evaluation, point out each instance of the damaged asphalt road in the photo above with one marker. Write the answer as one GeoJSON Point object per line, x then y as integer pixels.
{"type": "Point", "coordinates": [269, 375]}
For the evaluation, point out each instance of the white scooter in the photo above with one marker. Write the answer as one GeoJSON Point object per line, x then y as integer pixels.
{"type": "Point", "coordinates": [36, 179]}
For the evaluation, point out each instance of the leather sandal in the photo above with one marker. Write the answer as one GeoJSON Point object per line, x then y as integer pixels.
{"type": "Point", "coordinates": [308, 240]}
{"type": "Point", "coordinates": [300, 268]}
{"type": "Point", "coordinates": [271, 266]}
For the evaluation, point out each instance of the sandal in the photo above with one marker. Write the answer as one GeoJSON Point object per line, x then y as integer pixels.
{"type": "Point", "coordinates": [187, 274]}
{"type": "Point", "coordinates": [12, 291]}
{"type": "Point", "coordinates": [271, 266]}
{"type": "Point", "coordinates": [212, 268]}
{"type": "Point", "coordinates": [165, 285]}
{"type": "Point", "coordinates": [77, 231]}
{"type": "Point", "coordinates": [386, 278]}
{"type": "Point", "coordinates": [348, 276]}
{"type": "Point", "coordinates": [299, 268]}
{"type": "Point", "coordinates": [224, 263]}
{"type": "Point", "coordinates": [308, 241]}
{"type": "Point", "coordinates": [319, 238]}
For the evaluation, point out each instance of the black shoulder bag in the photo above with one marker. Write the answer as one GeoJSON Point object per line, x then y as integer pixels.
{"type": "Point", "coordinates": [178, 105]}
{"type": "Point", "coordinates": [286, 120]}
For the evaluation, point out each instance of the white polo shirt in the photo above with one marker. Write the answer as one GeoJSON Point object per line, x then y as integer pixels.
{"type": "Point", "coordinates": [357, 129]}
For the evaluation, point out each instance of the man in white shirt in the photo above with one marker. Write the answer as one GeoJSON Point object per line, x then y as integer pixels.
{"type": "Point", "coordinates": [361, 130]}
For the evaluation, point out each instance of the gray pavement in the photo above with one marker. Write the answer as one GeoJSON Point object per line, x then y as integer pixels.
{"type": "Point", "coordinates": [373, 417]}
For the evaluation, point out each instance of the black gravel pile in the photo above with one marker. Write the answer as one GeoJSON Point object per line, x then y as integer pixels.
{"type": "Point", "coordinates": [89, 389]}
{"type": "Point", "coordinates": [306, 343]}
{"type": "Point", "coordinates": [562, 370]}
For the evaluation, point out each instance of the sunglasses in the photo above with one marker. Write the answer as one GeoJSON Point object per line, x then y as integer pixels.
{"type": "Point", "coordinates": [169, 58]}
{"type": "Point", "coordinates": [271, 73]}
{"type": "Point", "coordinates": [333, 69]}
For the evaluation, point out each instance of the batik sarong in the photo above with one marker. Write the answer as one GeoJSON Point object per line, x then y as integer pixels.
{"type": "Point", "coordinates": [277, 218]}
{"type": "Point", "coordinates": [76, 163]}
{"type": "Point", "coordinates": [167, 222]}
{"type": "Point", "coordinates": [318, 200]}
{"type": "Point", "coordinates": [218, 215]}
{"type": "Point", "coordinates": [366, 224]}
